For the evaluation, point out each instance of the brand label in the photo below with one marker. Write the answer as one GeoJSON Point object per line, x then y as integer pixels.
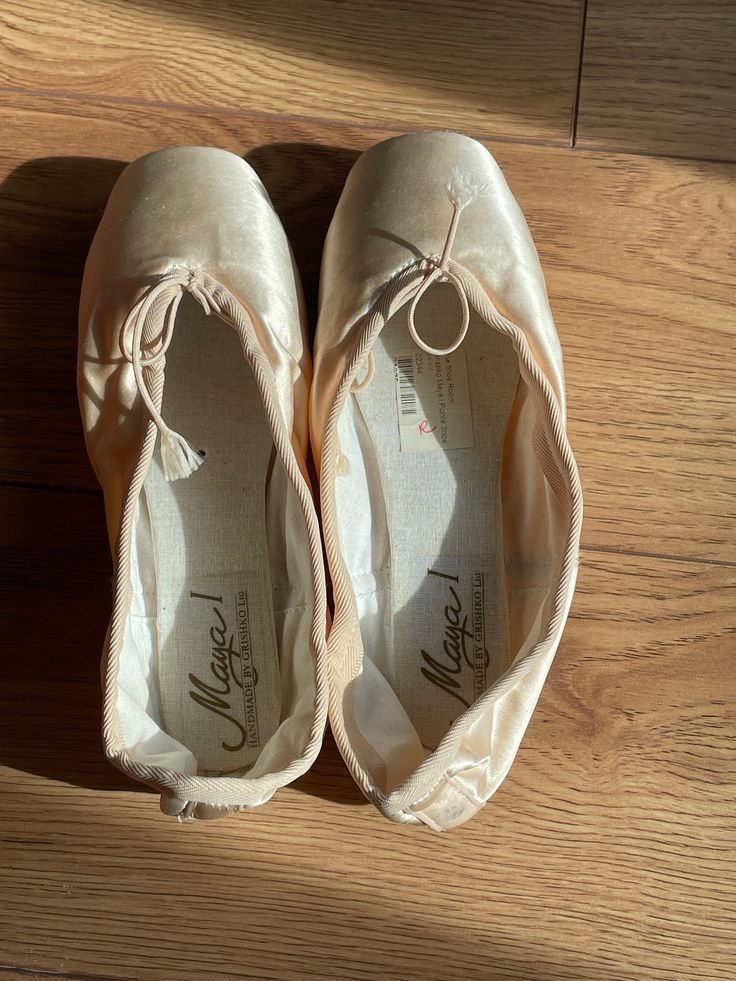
{"type": "Point", "coordinates": [225, 684]}
{"type": "Point", "coordinates": [456, 660]}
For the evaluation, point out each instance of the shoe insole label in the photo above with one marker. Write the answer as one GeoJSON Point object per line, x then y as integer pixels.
{"type": "Point", "coordinates": [452, 632]}
{"type": "Point", "coordinates": [228, 668]}
{"type": "Point", "coordinates": [433, 401]}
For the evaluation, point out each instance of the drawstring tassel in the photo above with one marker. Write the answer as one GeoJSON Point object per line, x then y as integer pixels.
{"type": "Point", "coordinates": [178, 458]}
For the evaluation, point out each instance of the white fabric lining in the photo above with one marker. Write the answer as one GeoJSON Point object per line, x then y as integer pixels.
{"type": "Point", "coordinates": [236, 522]}
{"type": "Point", "coordinates": [426, 510]}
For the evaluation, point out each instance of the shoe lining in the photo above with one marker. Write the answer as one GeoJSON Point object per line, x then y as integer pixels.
{"type": "Point", "coordinates": [221, 608]}
{"type": "Point", "coordinates": [422, 531]}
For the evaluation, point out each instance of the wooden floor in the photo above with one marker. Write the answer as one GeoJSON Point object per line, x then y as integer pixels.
{"type": "Point", "coordinates": [608, 853]}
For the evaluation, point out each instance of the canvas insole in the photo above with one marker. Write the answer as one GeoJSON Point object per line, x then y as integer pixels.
{"type": "Point", "coordinates": [434, 617]}
{"type": "Point", "coordinates": [217, 664]}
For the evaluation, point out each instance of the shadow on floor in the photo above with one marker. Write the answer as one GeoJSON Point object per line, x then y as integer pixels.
{"type": "Point", "coordinates": [304, 181]}
{"type": "Point", "coordinates": [53, 548]}
{"type": "Point", "coordinates": [352, 898]}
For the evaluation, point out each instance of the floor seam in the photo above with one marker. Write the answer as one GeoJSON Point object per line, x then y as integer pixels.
{"type": "Point", "coordinates": [30, 485]}
{"type": "Point", "coordinates": [35, 972]}
{"type": "Point", "coordinates": [642, 554]}
{"type": "Point", "coordinates": [579, 81]}
{"type": "Point", "coordinates": [338, 124]}
{"type": "Point", "coordinates": [651, 154]}
{"type": "Point", "coordinates": [67, 95]}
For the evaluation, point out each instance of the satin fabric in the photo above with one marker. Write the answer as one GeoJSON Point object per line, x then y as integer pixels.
{"type": "Point", "coordinates": [393, 215]}
{"type": "Point", "coordinates": [205, 212]}
{"type": "Point", "coordinates": [195, 208]}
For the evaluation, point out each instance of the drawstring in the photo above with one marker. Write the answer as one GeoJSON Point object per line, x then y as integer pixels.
{"type": "Point", "coordinates": [179, 459]}
{"type": "Point", "coordinates": [359, 386]}
{"type": "Point", "coordinates": [440, 275]}
{"type": "Point", "coordinates": [461, 190]}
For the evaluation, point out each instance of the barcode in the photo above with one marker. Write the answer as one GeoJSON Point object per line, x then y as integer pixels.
{"type": "Point", "coordinates": [407, 391]}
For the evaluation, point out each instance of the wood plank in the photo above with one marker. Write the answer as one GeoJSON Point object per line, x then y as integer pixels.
{"type": "Point", "coordinates": [636, 253]}
{"type": "Point", "coordinates": [510, 67]}
{"type": "Point", "coordinates": [15, 974]}
{"type": "Point", "coordinates": [660, 77]}
{"type": "Point", "coordinates": [641, 283]}
{"type": "Point", "coordinates": [607, 853]}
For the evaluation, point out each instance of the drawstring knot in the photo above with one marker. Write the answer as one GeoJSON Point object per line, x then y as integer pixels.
{"type": "Point", "coordinates": [178, 458]}
{"type": "Point", "coordinates": [195, 285]}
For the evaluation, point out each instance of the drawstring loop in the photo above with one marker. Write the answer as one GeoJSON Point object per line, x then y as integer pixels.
{"type": "Point", "coordinates": [179, 459]}
{"type": "Point", "coordinates": [461, 190]}
{"type": "Point", "coordinates": [439, 274]}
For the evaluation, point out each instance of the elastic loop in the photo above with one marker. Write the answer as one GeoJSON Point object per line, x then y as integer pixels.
{"type": "Point", "coordinates": [438, 275]}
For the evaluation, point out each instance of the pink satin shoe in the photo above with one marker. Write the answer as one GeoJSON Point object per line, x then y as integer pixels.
{"type": "Point", "coordinates": [193, 376]}
{"type": "Point", "coordinates": [450, 500]}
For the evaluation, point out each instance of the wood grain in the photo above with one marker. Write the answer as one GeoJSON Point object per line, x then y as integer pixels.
{"type": "Point", "coordinates": [508, 68]}
{"type": "Point", "coordinates": [636, 253]}
{"type": "Point", "coordinates": [660, 77]}
{"type": "Point", "coordinates": [607, 854]}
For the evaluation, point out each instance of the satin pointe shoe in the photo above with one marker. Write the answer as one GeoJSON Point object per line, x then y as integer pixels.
{"type": "Point", "coordinates": [450, 501]}
{"type": "Point", "coordinates": [193, 378]}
